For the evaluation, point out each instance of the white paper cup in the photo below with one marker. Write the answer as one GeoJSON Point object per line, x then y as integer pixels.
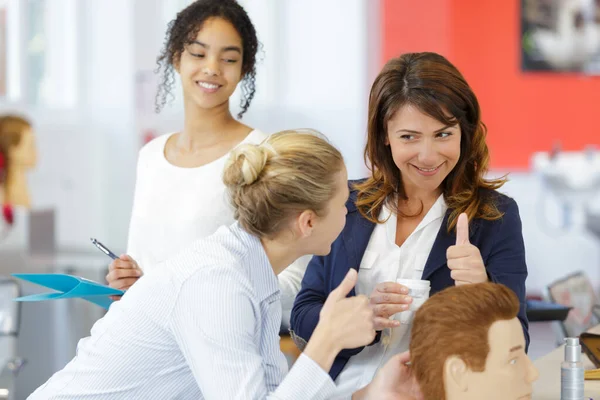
{"type": "Point", "coordinates": [419, 291]}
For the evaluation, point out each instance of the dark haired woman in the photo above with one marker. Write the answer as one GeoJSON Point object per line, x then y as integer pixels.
{"type": "Point", "coordinates": [427, 212]}
{"type": "Point", "coordinates": [179, 195]}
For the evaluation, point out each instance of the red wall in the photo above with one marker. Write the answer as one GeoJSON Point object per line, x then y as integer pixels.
{"type": "Point", "coordinates": [524, 112]}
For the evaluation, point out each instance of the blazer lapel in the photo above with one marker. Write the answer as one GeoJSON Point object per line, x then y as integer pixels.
{"type": "Point", "coordinates": [356, 238]}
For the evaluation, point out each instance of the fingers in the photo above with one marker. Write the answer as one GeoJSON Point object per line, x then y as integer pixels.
{"type": "Point", "coordinates": [464, 275]}
{"type": "Point", "coordinates": [390, 298]}
{"type": "Point", "coordinates": [361, 317]}
{"type": "Point", "coordinates": [383, 323]}
{"type": "Point", "coordinates": [126, 257]}
{"type": "Point", "coordinates": [115, 298]}
{"type": "Point", "coordinates": [391, 287]}
{"type": "Point", "coordinates": [403, 358]}
{"type": "Point", "coordinates": [471, 275]}
{"type": "Point", "coordinates": [122, 279]}
{"type": "Point", "coordinates": [122, 263]}
{"type": "Point", "coordinates": [460, 251]}
{"type": "Point", "coordinates": [459, 263]}
{"type": "Point", "coordinates": [462, 229]}
{"type": "Point", "coordinates": [387, 310]}
{"type": "Point", "coordinates": [465, 263]}
{"type": "Point", "coordinates": [117, 274]}
{"type": "Point", "coordinates": [123, 284]}
{"type": "Point", "coordinates": [458, 274]}
{"type": "Point", "coordinates": [344, 288]}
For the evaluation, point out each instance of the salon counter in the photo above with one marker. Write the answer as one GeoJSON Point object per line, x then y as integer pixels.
{"type": "Point", "coordinates": [547, 387]}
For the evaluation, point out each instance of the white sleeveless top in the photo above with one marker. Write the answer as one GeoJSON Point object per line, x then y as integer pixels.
{"type": "Point", "coordinates": [174, 206]}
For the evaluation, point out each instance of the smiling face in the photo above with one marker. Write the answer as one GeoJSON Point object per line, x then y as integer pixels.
{"type": "Point", "coordinates": [211, 66]}
{"type": "Point", "coordinates": [423, 148]}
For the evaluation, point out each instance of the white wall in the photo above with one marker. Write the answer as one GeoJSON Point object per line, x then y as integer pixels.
{"type": "Point", "coordinates": [316, 71]}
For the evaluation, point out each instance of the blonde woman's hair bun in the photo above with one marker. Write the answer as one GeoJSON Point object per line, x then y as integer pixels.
{"type": "Point", "coordinates": [246, 163]}
{"type": "Point", "coordinates": [270, 182]}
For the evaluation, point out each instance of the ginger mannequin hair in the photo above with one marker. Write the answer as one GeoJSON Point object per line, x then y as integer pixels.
{"type": "Point", "coordinates": [456, 322]}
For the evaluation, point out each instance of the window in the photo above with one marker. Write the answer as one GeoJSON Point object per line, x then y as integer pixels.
{"type": "Point", "coordinates": [38, 57]}
{"type": "Point", "coordinates": [35, 52]}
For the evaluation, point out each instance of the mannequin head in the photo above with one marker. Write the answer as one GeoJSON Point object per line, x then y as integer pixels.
{"type": "Point", "coordinates": [17, 154]}
{"type": "Point", "coordinates": [467, 343]}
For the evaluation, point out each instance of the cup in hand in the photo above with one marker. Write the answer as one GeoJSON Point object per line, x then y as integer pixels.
{"type": "Point", "coordinates": [419, 291]}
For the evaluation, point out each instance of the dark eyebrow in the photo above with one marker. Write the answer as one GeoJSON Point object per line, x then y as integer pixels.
{"type": "Point", "coordinates": [417, 132]}
{"type": "Point", "coordinates": [515, 348]}
{"type": "Point", "coordinates": [228, 48]}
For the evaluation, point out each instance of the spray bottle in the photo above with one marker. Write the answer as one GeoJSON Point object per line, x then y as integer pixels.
{"type": "Point", "coordinates": [571, 372]}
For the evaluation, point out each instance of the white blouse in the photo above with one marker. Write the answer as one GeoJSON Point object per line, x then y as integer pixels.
{"type": "Point", "coordinates": [174, 206]}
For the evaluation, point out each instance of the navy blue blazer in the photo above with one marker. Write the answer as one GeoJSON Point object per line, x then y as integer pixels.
{"type": "Point", "coordinates": [500, 243]}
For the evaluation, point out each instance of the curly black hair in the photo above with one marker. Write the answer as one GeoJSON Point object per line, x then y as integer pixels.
{"type": "Point", "coordinates": [183, 30]}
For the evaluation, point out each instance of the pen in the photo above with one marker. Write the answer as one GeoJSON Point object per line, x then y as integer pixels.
{"type": "Point", "coordinates": [103, 249]}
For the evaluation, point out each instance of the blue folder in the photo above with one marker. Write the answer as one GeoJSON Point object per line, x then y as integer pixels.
{"type": "Point", "coordinates": [68, 287]}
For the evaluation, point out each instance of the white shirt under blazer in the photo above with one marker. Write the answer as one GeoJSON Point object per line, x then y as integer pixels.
{"type": "Point", "coordinates": [385, 261]}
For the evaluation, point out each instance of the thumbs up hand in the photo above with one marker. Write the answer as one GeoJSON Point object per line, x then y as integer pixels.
{"type": "Point", "coordinates": [344, 323]}
{"type": "Point", "coordinates": [464, 259]}
{"type": "Point", "coordinates": [349, 320]}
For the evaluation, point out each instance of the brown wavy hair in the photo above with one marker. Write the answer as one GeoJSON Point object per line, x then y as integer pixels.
{"type": "Point", "coordinates": [429, 82]}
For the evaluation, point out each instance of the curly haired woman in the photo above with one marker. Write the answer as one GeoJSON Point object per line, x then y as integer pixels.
{"type": "Point", "coordinates": [179, 196]}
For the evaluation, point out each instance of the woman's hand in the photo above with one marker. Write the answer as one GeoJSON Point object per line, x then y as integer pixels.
{"type": "Point", "coordinates": [344, 323]}
{"type": "Point", "coordinates": [464, 259]}
{"type": "Point", "coordinates": [123, 273]}
{"type": "Point", "coordinates": [349, 319]}
{"type": "Point", "coordinates": [394, 381]}
{"type": "Point", "coordinates": [387, 299]}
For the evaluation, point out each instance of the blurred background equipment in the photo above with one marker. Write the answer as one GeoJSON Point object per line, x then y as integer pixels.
{"type": "Point", "coordinates": [560, 35]}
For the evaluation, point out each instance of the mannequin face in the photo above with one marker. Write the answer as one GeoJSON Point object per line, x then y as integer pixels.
{"type": "Point", "coordinates": [508, 373]}
{"type": "Point", "coordinates": [24, 155]}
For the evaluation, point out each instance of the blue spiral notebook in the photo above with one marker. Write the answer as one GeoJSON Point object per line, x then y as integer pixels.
{"type": "Point", "coordinates": [68, 287]}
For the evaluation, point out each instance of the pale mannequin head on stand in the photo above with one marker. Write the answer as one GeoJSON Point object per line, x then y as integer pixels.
{"type": "Point", "coordinates": [19, 154]}
{"type": "Point", "coordinates": [467, 343]}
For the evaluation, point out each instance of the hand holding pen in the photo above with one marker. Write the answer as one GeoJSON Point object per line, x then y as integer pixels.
{"type": "Point", "coordinates": [123, 271]}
